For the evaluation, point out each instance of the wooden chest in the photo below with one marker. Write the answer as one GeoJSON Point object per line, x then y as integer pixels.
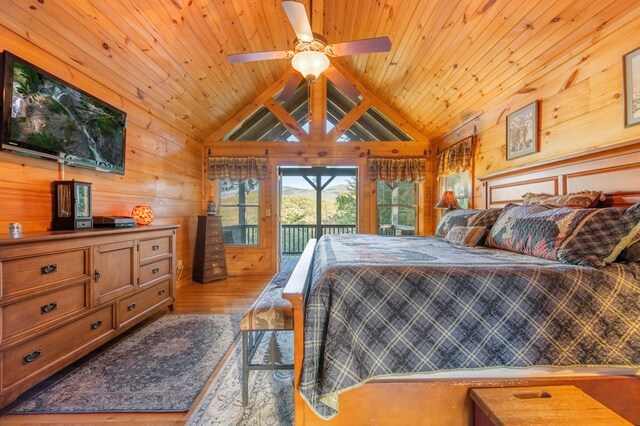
{"type": "Point", "coordinates": [209, 262]}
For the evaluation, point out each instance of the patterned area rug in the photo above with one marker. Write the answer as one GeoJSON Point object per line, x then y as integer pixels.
{"type": "Point", "coordinates": [270, 392]}
{"type": "Point", "coordinates": [161, 367]}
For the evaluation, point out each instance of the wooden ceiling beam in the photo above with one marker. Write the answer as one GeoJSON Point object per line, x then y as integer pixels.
{"type": "Point", "coordinates": [239, 117]}
{"type": "Point", "coordinates": [381, 106]}
{"type": "Point", "coordinates": [348, 120]}
{"type": "Point", "coordinates": [286, 119]}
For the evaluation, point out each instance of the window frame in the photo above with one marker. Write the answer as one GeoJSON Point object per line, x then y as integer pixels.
{"type": "Point", "coordinates": [415, 206]}
{"type": "Point", "coordinates": [442, 186]}
{"type": "Point", "coordinates": [239, 206]}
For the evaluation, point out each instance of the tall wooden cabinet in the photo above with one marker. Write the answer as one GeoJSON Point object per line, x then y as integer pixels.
{"type": "Point", "coordinates": [65, 293]}
{"type": "Point", "coordinates": [209, 263]}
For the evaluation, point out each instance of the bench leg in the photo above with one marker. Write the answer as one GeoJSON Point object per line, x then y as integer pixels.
{"type": "Point", "coordinates": [245, 368]}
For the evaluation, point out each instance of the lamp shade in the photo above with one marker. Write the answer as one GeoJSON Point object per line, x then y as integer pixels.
{"type": "Point", "coordinates": [448, 200]}
{"type": "Point", "coordinates": [310, 63]}
{"type": "Point", "coordinates": [142, 214]}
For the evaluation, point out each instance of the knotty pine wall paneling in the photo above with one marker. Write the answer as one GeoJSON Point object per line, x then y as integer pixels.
{"type": "Point", "coordinates": [581, 102]}
{"type": "Point", "coordinates": [163, 164]}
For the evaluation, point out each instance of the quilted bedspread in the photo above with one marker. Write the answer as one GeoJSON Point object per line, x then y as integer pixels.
{"type": "Point", "coordinates": [401, 305]}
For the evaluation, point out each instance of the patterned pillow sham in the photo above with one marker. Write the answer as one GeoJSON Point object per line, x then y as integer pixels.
{"type": "Point", "coordinates": [588, 237]}
{"type": "Point", "coordinates": [466, 217]}
{"type": "Point", "coordinates": [632, 252]}
{"type": "Point", "coordinates": [582, 199]}
{"type": "Point", "coordinates": [466, 236]}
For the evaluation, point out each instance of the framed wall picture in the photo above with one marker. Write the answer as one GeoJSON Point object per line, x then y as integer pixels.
{"type": "Point", "coordinates": [522, 131]}
{"type": "Point", "coordinates": [632, 88]}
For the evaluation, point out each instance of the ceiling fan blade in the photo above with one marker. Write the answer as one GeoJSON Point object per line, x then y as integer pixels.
{"type": "Point", "coordinates": [299, 21]}
{"type": "Point", "coordinates": [290, 88]}
{"type": "Point", "coordinates": [367, 45]}
{"type": "Point", "coordinates": [259, 56]}
{"type": "Point", "coordinates": [342, 83]}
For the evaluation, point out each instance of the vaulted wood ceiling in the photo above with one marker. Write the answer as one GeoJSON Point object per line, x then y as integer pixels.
{"type": "Point", "coordinates": [449, 60]}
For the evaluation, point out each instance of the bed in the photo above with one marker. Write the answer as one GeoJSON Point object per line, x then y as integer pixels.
{"type": "Point", "coordinates": [469, 309]}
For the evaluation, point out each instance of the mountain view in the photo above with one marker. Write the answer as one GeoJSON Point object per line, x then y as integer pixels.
{"type": "Point", "coordinates": [338, 205]}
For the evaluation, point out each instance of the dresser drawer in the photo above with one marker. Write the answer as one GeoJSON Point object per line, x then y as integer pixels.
{"type": "Point", "coordinates": [214, 230]}
{"type": "Point", "coordinates": [214, 222]}
{"type": "Point", "coordinates": [20, 275]}
{"type": "Point", "coordinates": [215, 273]}
{"type": "Point", "coordinates": [42, 309]}
{"type": "Point", "coordinates": [214, 239]}
{"type": "Point", "coordinates": [154, 271]}
{"type": "Point", "coordinates": [140, 303]}
{"type": "Point", "coordinates": [26, 359]}
{"type": "Point", "coordinates": [150, 249]}
{"type": "Point", "coordinates": [215, 264]}
{"type": "Point", "coordinates": [214, 255]}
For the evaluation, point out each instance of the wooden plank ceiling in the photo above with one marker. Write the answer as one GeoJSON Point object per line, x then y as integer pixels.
{"type": "Point", "coordinates": [449, 58]}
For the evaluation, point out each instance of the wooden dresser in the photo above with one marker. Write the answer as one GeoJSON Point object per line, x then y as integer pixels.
{"type": "Point", "coordinates": [209, 263]}
{"type": "Point", "coordinates": [65, 293]}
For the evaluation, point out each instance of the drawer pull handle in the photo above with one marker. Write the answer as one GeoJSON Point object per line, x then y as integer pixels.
{"type": "Point", "coordinates": [155, 247]}
{"type": "Point", "coordinates": [49, 308]}
{"type": "Point", "coordinates": [131, 307]}
{"type": "Point", "coordinates": [49, 269]}
{"type": "Point", "coordinates": [155, 270]}
{"type": "Point", "coordinates": [32, 356]}
{"type": "Point", "coordinates": [95, 325]}
{"type": "Point", "coordinates": [161, 292]}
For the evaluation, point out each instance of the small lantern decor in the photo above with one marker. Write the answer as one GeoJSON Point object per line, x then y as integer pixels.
{"type": "Point", "coordinates": [142, 214]}
{"type": "Point", "coordinates": [71, 205]}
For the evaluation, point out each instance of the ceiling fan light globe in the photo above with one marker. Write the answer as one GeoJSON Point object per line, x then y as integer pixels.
{"type": "Point", "coordinates": [310, 63]}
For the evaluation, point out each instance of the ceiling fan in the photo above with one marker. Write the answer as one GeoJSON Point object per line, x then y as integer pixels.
{"type": "Point", "coordinates": [310, 55]}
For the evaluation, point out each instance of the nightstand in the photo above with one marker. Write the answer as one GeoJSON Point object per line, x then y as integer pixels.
{"type": "Point", "coordinates": [544, 405]}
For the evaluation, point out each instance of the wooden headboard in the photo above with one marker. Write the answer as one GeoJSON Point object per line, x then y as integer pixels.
{"type": "Point", "coordinates": [615, 170]}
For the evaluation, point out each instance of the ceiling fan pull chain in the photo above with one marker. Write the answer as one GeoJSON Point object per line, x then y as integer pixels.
{"type": "Point", "coordinates": [310, 103]}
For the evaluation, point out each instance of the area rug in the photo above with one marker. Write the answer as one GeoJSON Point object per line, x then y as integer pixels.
{"type": "Point", "coordinates": [161, 367]}
{"type": "Point", "coordinates": [270, 392]}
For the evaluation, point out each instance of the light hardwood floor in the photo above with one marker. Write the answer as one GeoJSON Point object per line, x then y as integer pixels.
{"type": "Point", "coordinates": [233, 295]}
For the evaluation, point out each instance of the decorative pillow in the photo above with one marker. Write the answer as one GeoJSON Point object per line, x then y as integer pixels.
{"type": "Point", "coordinates": [466, 217]}
{"type": "Point", "coordinates": [632, 252]}
{"type": "Point", "coordinates": [466, 236]}
{"type": "Point", "coordinates": [588, 237]}
{"type": "Point", "coordinates": [583, 199]}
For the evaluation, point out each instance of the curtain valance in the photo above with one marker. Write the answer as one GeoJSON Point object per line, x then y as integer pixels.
{"type": "Point", "coordinates": [237, 168]}
{"type": "Point", "coordinates": [455, 159]}
{"type": "Point", "coordinates": [396, 169]}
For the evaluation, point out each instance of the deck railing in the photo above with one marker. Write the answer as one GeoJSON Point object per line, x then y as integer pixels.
{"type": "Point", "coordinates": [295, 237]}
{"type": "Point", "coordinates": [240, 235]}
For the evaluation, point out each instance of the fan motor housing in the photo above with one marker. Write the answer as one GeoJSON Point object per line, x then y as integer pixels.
{"type": "Point", "coordinates": [318, 44]}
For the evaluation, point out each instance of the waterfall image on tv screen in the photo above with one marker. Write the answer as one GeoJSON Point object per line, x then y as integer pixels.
{"type": "Point", "coordinates": [53, 117]}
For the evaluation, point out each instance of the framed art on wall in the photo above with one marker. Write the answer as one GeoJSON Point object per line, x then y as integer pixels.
{"type": "Point", "coordinates": [632, 88]}
{"type": "Point", "coordinates": [522, 131]}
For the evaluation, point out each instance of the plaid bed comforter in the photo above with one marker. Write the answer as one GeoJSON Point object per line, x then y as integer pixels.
{"type": "Point", "coordinates": [402, 305]}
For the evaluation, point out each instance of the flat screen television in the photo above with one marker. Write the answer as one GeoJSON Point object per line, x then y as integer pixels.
{"type": "Point", "coordinates": [46, 117]}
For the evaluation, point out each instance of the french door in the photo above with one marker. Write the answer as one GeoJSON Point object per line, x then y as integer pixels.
{"type": "Point", "coordinates": [315, 201]}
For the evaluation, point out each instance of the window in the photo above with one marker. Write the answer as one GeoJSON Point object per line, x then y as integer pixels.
{"type": "Point", "coordinates": [397, 208]}
{"type": "Point", "coordinates": [373, 126]}
{"type": "Point", "coordinates": [459, 184]}
{"type": "Point", "coordinates": [239, 207]}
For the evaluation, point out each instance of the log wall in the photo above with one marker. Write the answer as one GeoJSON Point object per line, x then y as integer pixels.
{"type": "Point", "coordinates": [581, 104]}
{"type": "Point", "coordinates": [163, 165]}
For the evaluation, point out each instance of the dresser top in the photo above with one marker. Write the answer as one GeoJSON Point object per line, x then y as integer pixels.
{"type": "Point", "coordinates": [30, 237]}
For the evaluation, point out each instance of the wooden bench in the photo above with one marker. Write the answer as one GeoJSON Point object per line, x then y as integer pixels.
{"type": "Point", "coordinates": [270, 312]}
